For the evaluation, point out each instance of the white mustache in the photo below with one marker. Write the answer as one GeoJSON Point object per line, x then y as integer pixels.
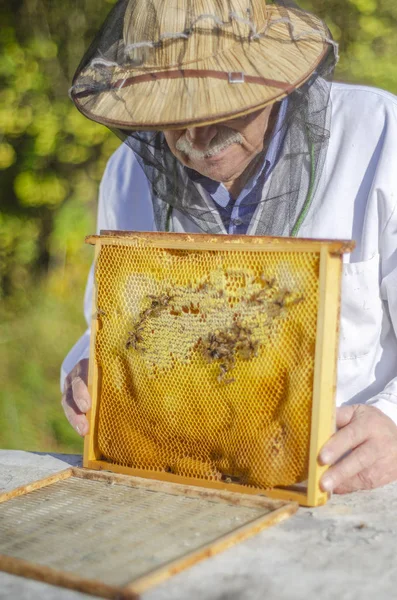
{"type": "Point", "coordinates": [224, 138]}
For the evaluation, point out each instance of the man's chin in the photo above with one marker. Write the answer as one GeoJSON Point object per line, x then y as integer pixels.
{"type": "Point", "coordinates": [214, 172]}
{"type": "Point", "coordinates": [217, 167]}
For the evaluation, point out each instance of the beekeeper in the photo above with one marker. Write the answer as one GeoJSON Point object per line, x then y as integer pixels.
{"type": "Point", "coordinates": [231, 125]}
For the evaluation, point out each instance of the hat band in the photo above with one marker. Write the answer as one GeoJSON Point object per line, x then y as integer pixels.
{"type": "Point", "coordinates": [232, 77]}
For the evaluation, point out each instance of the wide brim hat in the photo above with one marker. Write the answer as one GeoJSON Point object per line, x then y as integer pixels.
{"type": "Point", "coordinates": [170, 64]}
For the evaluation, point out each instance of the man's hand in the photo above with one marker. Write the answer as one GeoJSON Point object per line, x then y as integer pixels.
{"type": "Point", "coordinates": [370, 439]}
{"type": "Point", "coordinates": [76, 400]}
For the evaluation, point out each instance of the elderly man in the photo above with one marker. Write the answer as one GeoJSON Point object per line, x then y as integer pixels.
{"type": "Point", "coordinates": [234, 128]}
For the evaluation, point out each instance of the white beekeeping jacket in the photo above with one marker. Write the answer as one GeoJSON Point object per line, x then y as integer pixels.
{"type": "Point", "coordinates": [356, 199]}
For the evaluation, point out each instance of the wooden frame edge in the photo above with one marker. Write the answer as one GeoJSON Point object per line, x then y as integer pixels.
{"type": "Point", "coordinates": [240, 534]}
{"type": "Point", "coordinates": [63, 579]}
{"type": "Point", "coordinates": [324, 384]}
{"type": "Point", "coordinates": [199, 241]}
{"type": "Point", "coordinates": [330, 254]}
{"type": "Point", "coordinates": [36, 485]}
{"type": "Point", "coordinates": [90, 448]}
{"type": "Point", "coordinates": [283, 494]}
{"type": "Point", "coordinates": [258, 499]}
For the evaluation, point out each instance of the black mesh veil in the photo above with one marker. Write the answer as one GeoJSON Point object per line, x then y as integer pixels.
{"type": "Point", "coordinates": [120, 60]}
{"type": "Point", "coordinates": [287, 195]}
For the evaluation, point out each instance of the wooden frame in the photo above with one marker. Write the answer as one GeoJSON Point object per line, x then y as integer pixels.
{"type": "Point", "coordinates": [279, 511]}
{"type": "Point", "coordinates": [323, 411]}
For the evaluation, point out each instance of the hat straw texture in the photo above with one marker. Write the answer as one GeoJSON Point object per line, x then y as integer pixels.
{"type": "Point", "coordinates": [178, 63]}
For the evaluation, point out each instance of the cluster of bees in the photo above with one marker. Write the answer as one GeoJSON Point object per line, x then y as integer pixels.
{"type": "Point", "coordinates": [158, 304]}
{"type": "Point", "coordinates": [275, 301]}
{"type": "Point", "coordinates": [224, 346]}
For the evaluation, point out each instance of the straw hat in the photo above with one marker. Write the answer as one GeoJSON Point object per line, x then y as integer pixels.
{"type": "Point", "coordinates": [179, 63]}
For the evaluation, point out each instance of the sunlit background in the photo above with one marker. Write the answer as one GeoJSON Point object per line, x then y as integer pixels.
{"type": "Point", "coordinates": [51, 161]}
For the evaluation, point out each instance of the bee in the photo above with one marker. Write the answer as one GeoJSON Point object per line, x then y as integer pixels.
{"type": "Point", "coordinates": [145, 314]}
{"type": "Point", "coordinates": [273, 311]}
{"type": "Point", "coordinates": [158, 304]}
{"type": "Point", "coordinates": [100, 313]}
{"type": "Point", "coordinates": [135, 337]}
{"type": "Point", "coordinates": [259, 298]}
{"type": "Point", "coordinates": [231, 479]}
{"type": "Point", "coordinates": [223, 346]}
{"type": "Point", "coordinates": [240, 330]}
{"type": "Point", "coordinates": [220, 346]}
{"type": "Point", "coordinates": [223, 374]}
{"type": "Point", "coordinates": [162, 301]}
{"type": "Point", "coordinates": [282, 298]}
{"type": "Point", "coordinates": [286, 298]}
{"type": "Point", "coordinates": [248, 349]}
{"type": "Point", "coordinates": [267, 282]}
{"type": "Point", "coordinates": [240, 333]}
{"type": "Point", "coordinates": [281, 301]}
{"type": "Point", "coordinates": [215, 348]}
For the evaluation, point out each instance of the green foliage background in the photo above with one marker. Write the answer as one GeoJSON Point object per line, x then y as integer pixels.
{"type": "Point", "coordinates": [51, 160]}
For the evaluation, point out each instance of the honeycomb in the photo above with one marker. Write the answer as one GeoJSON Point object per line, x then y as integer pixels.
{"type": "Point", "coordinates": [207, 361]}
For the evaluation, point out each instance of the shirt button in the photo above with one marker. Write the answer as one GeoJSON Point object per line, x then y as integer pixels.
{"type": "Point", "coordinates": [237, 222]}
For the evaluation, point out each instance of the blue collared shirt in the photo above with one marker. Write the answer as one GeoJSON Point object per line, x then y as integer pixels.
{"type": "Point", "coordinates": [237, 214]}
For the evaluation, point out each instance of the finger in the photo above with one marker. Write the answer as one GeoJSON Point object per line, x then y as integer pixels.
{"type": "Point", "coordinates": [380, 473]}
{"type": "Point", "coordinates": [81, 369]}
{"type": "Point", "coordinates": [81, 395]}
{"type": "Point", "coordinates": [344, 414]}
{"type": "Point", "coordinates": [75, 417]}
{"type": "Point", "coordinates": [358, 461]}
{"type": "Point", "coordinates": [351, 435]}
{"type": "Point", "coordinates": [367, 479]}
{"type": "Point", "coordinates": [354, 484]}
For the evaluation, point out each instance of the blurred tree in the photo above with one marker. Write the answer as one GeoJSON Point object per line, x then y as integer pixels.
{"type": "Point", "coordinates": [51, 157]}
{"type": "Point", "coordinates": [365, 30]}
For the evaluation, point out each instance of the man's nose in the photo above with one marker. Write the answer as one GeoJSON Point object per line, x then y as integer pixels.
{"type": "Point", "coordinates": [201, 136]}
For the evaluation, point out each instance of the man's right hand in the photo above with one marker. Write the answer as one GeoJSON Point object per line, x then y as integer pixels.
{"type": "Point", "coordinates": [76, 400]}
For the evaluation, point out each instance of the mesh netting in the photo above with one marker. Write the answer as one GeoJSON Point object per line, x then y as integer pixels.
{"type": "Point", "coordinates": [107, 539]}
{"type": "Point", "coordinates": [207, 361]}
{"type": "Point", "coordinates": [277, 208]}
{"type": "Point", "coordinates": [161, 64]}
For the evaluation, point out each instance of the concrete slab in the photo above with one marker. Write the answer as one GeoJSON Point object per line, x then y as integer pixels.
{"type": "Point", "coordinates": [346, 550]}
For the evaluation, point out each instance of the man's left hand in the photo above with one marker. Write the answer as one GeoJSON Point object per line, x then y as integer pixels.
{"type": "Point", "coordinates": [368, 438]}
